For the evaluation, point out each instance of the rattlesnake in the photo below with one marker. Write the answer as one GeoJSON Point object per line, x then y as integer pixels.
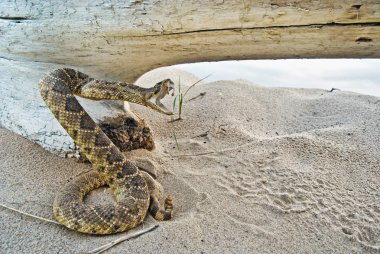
{"type": "Point", "coordinates": [134, 191]}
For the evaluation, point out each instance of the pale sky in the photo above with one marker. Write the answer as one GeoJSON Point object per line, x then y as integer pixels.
{"type": "Point", "coordinates": [356, 75]}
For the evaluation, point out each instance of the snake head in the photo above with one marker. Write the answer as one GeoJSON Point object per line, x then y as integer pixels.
{"type": "Point", "coordinates": [160, 90]}
{"type": "Point", "coordinates": [166, 86]}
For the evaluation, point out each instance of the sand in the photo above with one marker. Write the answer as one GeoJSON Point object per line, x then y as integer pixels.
{"type": "Point", "coordinates": [258, 170]}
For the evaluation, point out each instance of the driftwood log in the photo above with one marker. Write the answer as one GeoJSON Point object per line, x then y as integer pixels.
{"type": "Point", "coordinates": [121, 40]}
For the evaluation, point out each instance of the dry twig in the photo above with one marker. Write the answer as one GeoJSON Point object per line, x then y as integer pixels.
{"type": "Point", "coordinates": [28, 214]}
{"type": "Point", "coordinates": [201, 135]}
{"type": "Point", "coordinates": [214, 152]}
{"type": "Point", "coordinates": [199, 95]}
{"type": "Point", "coordinates": [334, 89]}
{"type": "Point", "coordinates": [122, 239]}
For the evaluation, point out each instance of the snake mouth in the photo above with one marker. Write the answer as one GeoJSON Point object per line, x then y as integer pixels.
{"type": "Point", "coordinates": [155, 102]}
{"type": "Point", "coordinates": [171, 90]}
{"type": "Point", "coordinates": [159, 107]}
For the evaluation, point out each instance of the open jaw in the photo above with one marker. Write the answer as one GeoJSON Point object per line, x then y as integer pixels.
{"type": "Point", "coordinates": [159, 107]}
{"type": "Point", "coordinates": [155, 101]}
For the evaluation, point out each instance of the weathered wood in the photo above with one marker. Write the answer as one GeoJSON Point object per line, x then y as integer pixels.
{"type": "Point", "coordinates": [123, 39]}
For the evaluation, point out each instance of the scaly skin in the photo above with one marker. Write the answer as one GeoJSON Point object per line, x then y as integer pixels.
{"type": "Point", "coordinates": [133, 190]}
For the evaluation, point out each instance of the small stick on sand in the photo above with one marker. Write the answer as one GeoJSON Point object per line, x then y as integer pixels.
{"type": "Point", "coordinates": [99, 249]}
{"type": "Point", "coordinates": [193, 155]}
{"type": "Point", "coordinates": [201, 135]}
{"type": "Point", "coordinates": [199, 95]}
{"type": "Point", "coordinates": [30, 215]}
{"type": "Point", "coordinates": [334, 89]}
{"type": "Point", "coordinates": [213, 152]}
{"type": "Point", "coordinates": [121, 239]}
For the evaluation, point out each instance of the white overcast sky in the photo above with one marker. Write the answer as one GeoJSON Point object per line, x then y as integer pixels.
{"type": "Point", "coordinates": [356, 75]}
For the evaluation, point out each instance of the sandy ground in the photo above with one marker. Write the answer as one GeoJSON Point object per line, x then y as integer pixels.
{"type": "Point", "coordinates": [258, 170]}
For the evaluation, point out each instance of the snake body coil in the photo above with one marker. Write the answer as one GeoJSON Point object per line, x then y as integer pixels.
{"type": "Point", "coordinates": [131, 192]}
